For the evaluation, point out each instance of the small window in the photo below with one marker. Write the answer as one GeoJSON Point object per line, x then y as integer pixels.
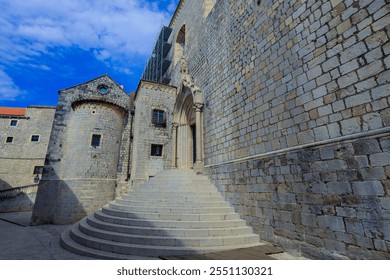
{"type": "Point", "coordinates": [156, 150]}
{"type": "Point", "coordinates": [9, 140]}
{"type": "Point", "coordinates": [38, 170]}
{"type": "Point", "coordinates": [158, 118]}
{"type": "Point", "coordinates": [103, 89]}
{"type": "Point", "coordinates": [35, 138]}
{"type": "Point", "coordinates": [14, 122]}
{"type": "Point", "coordinates": [96, 140]}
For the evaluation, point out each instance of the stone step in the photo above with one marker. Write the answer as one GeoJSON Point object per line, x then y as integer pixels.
{"type": "Point", "coordinates": [145, 250]}
{"type": "Point", "coordinates": [168, 178]}
{"type": "Point", "coordinates": [169, 203]}
{"type": "Point", "coordinates": [170, 231]}
{"type": "Point", "coordinates": [170, 210]}
{"type": "Point", "coordinates": [167, 223]}
{"type": "Point", "coordinates": [175, 189]}
{"type": "Point", "coordinates": [72, 246]}
{"type": "Point", "coordinates": [175, 213]}
{"type": "Point", "coordinates": [168, 181]}
{"type": "Point", "coordinates": [178, 173]}
{"type": "Point", "coordinates": [166, 240]}
{"type": "Point", "coordinates": [170, 216]}
{"type": "Point", "coordinates": [191, 197]}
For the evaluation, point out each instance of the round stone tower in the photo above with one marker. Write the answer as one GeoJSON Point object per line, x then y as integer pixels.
{"type": "Point", "coordinates": [93, 141]}
{"type": "Point", "coordinates": [81, 168]}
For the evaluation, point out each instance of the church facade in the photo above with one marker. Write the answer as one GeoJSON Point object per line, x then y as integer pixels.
{"type": "Point", "coordinates": [283, 104]}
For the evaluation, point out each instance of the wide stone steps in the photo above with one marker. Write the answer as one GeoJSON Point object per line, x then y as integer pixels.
{"type": "Point", "coordinates": [166, 239]}
{"type": "Point", "coordinates": [121, 248]}
{"type": "Point", "coordinates": [175, 213]}
{"type": "Point", "coordinates": [118, 211]}
{"type": "Point", "coordinates": [167, 203]}
{"type": "Point", "coordinates": [169, 209]}
{"type": "Point", "coordinates": [170, 231]}
{"type": "Point", "coordinates": [168, 223]}
{"type": "Point", "coordinates": [166, 198]}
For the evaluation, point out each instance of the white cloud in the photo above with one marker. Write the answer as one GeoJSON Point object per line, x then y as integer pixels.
{"type": "Point", "coordinates": [114, 30]}
{"type": "Point", "coordinates": [8, 90]}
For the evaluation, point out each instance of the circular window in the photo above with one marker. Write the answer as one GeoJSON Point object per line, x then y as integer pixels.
{"type": "Point", "coordinates": [103, 89]}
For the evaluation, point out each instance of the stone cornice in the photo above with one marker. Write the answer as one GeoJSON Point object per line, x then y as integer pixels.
{"type": "Point", "coordinates": [156, 86]}
{"type": "Point", "coordinates": [176, 14]}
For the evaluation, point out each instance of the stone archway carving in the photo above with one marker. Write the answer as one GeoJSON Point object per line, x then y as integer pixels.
{"type": "Point", "coordinates": [187, 128]}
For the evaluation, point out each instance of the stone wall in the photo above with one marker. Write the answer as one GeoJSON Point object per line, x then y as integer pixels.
{"type": "Point", "coordinates": [326, 201]}
{"type": "Point", "coordinates": [79, 177]}
{"type": "Point", "coordinates": [19, 158]}
{"type": "Point", "coordinates": [297, 117]}
{"type": "Point", "coordinates": [18, 199]}
{"type": "Point", "coordinates": [151, 96]}
{"type": "Point", "coordinates": [126, 151]}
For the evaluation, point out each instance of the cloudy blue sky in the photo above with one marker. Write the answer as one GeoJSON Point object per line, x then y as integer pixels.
{"type": "Point", "coordinates": [48, 45]}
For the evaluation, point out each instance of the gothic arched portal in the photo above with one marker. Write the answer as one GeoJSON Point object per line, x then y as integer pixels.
{"type": "Point", "coordinates": [187, 132]}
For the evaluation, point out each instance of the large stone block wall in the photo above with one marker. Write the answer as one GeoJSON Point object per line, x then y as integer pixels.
{"type": "Point", "coordinates": [278, 76]}
{"type": "Point", "coordinates": [18, 159]}
{"type": "Point", "coordinates": [326, 201]}
{"type": "Point", "coordinates": [151, 96]}
{"type": "Point", "coordinates": [79, 178]}
{"type": "Point", "coordinates": [81, 159]}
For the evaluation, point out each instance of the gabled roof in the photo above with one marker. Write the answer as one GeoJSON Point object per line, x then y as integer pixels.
{"type": "Point", "coordinates": [87, 82]}
{"type": "Point", "coordinates": [7, 111]}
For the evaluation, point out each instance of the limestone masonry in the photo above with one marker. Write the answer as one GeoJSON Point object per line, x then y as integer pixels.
{"type": "Point", "coordinates": [24, 137]}
{"type": "Point", "coordinates": [284, 105]}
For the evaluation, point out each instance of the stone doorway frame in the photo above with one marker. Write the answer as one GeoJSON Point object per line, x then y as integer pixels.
{"type": "Point", "coordinates": [189, 100]}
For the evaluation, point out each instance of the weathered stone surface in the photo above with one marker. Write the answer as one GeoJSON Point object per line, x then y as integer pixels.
{"type": "Point", "coordinates": [18, 159]}
{"type": "Point", "coordinates": [279, 81]}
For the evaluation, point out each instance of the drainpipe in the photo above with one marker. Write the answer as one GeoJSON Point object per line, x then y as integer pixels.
{"type": "Point", "coordinates": [132, 112]}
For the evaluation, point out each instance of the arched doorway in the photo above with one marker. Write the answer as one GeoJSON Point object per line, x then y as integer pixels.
{"type": "Point", "coordinates": [187, 132]}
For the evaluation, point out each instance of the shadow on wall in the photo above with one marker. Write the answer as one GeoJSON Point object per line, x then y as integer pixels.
{"type": "Point", "coordinates": [20, 203]}
{"type": "Point", "coordinates": [4, 185]}
{"type": "Point", "coordinates": [56, 203]}
{"type": "Point", "coordinates": [15, 199]}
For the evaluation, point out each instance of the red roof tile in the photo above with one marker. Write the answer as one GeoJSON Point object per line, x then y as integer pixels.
{"type": "Point", "coordinates": [12, 111]}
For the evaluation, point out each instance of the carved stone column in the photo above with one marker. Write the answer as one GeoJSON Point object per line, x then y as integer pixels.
{"type": "Point", "coordinates": [199, 165]}
{"type": "Point", "coordinates": [174, 145]}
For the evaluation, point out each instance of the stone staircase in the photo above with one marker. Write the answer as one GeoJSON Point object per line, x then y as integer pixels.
{"type": "Point", "coordinates": [175, 213]}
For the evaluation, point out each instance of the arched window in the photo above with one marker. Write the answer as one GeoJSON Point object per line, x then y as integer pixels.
{"type": "Point", "coordinates": [180, 45]}
{"type": "Point", "coordinates": [208, 6]}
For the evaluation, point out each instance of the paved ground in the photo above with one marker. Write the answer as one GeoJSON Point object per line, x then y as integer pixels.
{"type": "Point", "coordinates": [20, 241]}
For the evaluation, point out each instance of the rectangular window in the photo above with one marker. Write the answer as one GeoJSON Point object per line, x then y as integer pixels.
{"type": "Point", "coordinates": [38, 170]}
{"type": "Point", "coordinates": [35, 138]}
{"type": "Point", "coordinates": [14, 122]}
{"type": "Point", "coordinates": [9, 140]}
{"type": "Point", "coordinates": [156, 150]}
{"type": "Point", "coordinates": [159, 118]}
{"type": "Point", "coordinates": [96, 140]}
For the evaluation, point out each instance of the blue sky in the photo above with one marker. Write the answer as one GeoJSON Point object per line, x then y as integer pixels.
{"type": "Point", "coordinates": [48, 45]}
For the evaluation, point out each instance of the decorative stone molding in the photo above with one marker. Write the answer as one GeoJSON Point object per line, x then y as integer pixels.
{"type": "Point", "coordinates": [157, 87]}
{"type": "Point", "coordinates": [198, 107]}
{"type": "Point", "coordinates": [188, 82]}
{"type": "Point", "coordinates": [176, 14]}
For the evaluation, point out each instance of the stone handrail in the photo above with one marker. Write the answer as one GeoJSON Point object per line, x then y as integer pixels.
{"type": "Point", "coordinates": [16, 191]}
